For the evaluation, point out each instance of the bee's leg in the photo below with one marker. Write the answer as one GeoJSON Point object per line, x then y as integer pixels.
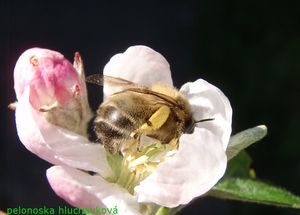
{"type": "Point", "coordinates": [136, 135]}
{"type": "Point", "coordinates": [157, 119]}
{"type": "Point", "coordinates": [130, 148]}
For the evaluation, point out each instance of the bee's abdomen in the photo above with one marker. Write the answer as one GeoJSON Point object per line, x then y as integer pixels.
{"type": "Point", "coordinates": [112, 125]}
{"type": "Point", "coordinates": [108, 130]}
{"type": "Point", "coordinates": [115, 116]}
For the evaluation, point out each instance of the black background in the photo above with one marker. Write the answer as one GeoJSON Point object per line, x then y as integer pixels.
{"type": "Point", "coordinates": [248, 48]}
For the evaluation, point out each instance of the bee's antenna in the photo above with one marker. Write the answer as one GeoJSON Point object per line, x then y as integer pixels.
{"type": "Point", "coordinates": [204, 120]}
{"type": "Point", "coordinates": [190, 126]}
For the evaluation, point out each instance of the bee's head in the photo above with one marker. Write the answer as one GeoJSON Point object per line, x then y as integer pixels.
{"type": "Point", "coordinates": [190, 124]}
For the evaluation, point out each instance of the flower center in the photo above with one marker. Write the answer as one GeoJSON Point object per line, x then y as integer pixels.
{"type": "Point", "coordinates": [135, 165]}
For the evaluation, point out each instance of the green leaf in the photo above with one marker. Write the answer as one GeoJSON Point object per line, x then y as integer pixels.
{"type": "Point", "coordinates": [250, 190]}
{"type": "Point", "coordinates": [244, 139]}
{"type": "Point", "coordinates": [239, 166]}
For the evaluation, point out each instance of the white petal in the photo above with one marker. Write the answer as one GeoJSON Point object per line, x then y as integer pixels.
{"type": "Point", "coordinates": [197, 166]}
{"type": "Point", "coordinates": [86, 191]}
{"type": "Point", "coordinates": [139, 64]}
{"type": "Point", "coordinates": [201, 160]}
{"type": "Point", "coordinates": [55, 144]}
{"type": "Point", "coordinates": [208, 101]}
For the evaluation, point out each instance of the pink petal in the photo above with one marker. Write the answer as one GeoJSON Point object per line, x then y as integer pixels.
{"type": "Point", "coordinates": [86, 191]}
{"type": "Point", "coordinates": [197, 166]}
{"type": "Point", "coordinates": [208, 101]}
{"type": "Point", "coordinates": [139, 64]}
{"type": "Point", "coordinates": [55, 144]}
{"type": "Point", "coordinates": [51, 77]}
{"type": "Point", "coordinates": [24, 72]}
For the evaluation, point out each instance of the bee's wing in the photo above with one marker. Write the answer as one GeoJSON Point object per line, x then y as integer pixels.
{"type": "Point", "coordinates": [157, 97]}
{"type": "Point", "coordinates": [111, 81]}
{"type": "Point", "coordinates": [126, 85]}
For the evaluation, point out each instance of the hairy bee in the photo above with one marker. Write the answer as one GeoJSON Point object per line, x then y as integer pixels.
{"type": "Point", "coordinates": [159, 111]}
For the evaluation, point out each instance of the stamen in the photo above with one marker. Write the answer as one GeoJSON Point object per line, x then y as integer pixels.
{"type": "Point", "coordinates": [76, 90]}
{"type": "Point", "coordinates": [34, 60]}
{"type": "Point", "coordinates": [138, 164]}
{"type": "Point", "coordinates": [12, 106]}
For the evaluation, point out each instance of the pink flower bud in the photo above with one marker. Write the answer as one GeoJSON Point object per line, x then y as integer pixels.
{"type": "Point", "coordinates": [52, 79]}
{"type": "Point", "coordinates": [55, 88]}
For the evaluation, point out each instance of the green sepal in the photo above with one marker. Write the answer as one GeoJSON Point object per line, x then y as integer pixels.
{"type": "Point", "coordinates": [115, 162]}
{"type": "Point", "coordinates": [168, 211]}
{"type": "Point", "coordinates": [243, 139]}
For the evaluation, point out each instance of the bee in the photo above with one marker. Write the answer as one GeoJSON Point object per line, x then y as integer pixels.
{"type": "Point", "coordinates": [159, 111]}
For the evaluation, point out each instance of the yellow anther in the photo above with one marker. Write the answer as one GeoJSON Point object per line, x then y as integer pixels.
{"type": "Point", "coordinates": [34, 60]}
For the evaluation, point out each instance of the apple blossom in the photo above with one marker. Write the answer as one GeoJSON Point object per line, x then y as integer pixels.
{"type": "Point", "coordinates": [137, 183]}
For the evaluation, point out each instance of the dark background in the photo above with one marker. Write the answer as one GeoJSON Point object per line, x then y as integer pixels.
{"type": "Point", "coordinates": [248, 48]}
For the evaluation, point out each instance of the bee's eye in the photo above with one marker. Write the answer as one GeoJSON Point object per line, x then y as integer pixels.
{"type": "Point", "coordinates": [189, 126]}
